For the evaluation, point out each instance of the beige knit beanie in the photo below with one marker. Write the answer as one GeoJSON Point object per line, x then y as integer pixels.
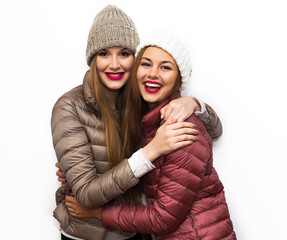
{"type": "Point", "coordinates": [111, 28]}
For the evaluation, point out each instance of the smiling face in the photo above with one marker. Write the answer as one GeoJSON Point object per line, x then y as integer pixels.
{"type": "Point", "coordinates": [114, 66]}
{"type": "Point", "coordinates": [157, 74]}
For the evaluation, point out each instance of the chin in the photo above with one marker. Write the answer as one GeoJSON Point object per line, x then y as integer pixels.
{"type": "Point", "coordinates": [116, 86]}
{"type": "Point", "coordinates": [150, 100]}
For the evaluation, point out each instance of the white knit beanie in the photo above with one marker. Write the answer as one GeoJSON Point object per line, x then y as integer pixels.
{"type": "Point", "coordinates": [175, 48]}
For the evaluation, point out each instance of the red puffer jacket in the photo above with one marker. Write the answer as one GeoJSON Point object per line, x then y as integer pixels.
{"type": "Point", "coordinates": [185, 198]}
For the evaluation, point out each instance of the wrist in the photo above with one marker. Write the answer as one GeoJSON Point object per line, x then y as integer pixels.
{"type": "Point", "coordinates": [197, 105]}
{"type": "Point", "coordinates": [150, 153]}
{"type": "Point", "coordinates": [97, 212]}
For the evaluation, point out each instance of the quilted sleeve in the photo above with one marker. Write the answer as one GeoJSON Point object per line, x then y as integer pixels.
{"type": "Point", "coordinates": [213, 124]}
{"type": "Point", "coordinates": [180, 177]}
{"type": "Point", "coordinates": [76, 159]}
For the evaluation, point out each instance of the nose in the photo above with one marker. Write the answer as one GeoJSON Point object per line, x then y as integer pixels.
{"type": "Point", "coordinates": [114, 64]}
{"type": "Point", "coordinates": [153, 73]}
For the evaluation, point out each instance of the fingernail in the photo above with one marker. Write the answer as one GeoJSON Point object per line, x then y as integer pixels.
{"type": "Point", "coordinates": [161, 116]}
{"type": "Point", "coordinates": [194, 125]}
{"type": "Point", "coordinates": [197, 132]}
{"type": "Point", "coordinates": [196, 138]}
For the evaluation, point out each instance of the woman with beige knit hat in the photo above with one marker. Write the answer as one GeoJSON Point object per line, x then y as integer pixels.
{"type": "Point", "coordinates": [98, 163]}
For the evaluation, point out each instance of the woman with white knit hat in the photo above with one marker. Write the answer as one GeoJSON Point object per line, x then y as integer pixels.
{"type": "Point", "coordinates": [88, 132]}
{"type": "Point", "coordinates": [184, 196]}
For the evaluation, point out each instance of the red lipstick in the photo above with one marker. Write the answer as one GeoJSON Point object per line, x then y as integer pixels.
{"type": "Point", "coordinates": [152, 86]}
{"type": "Point", "coordinates": [115, 75]}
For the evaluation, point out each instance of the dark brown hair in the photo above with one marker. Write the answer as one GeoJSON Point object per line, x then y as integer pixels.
{"type": "Point", "coordinates": [135, 108]}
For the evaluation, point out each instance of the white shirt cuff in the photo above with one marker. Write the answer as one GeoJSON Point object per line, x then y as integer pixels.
{"type": "Point", "coordinates": [140, 164]}
{"type": "Point", "coordinates": [203, 115]}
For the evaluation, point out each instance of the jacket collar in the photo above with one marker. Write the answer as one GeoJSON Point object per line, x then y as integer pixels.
{"type": "Point", "coordinates": [88, 94]}
{"type": "Point", "coordinates": [152, 119]}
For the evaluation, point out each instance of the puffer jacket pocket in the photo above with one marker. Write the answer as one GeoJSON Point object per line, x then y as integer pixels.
{"type": "Point", "coordinates": [61, 214]}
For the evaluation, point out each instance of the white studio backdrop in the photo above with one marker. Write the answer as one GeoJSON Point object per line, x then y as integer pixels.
{"type": "Point", "coordinates": [239, 61]}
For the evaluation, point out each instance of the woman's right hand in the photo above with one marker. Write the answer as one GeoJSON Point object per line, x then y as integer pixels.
{"type": "Point", "coordinates": [60, 174]}
{"type": "Point", "coordinates": [76, 209]}
{"type": "Point", "coordinates": [169, 137]}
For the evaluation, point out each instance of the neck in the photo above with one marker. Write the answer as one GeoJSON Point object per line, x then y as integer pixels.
{"type": "Point", "coordinates": [153, 105]}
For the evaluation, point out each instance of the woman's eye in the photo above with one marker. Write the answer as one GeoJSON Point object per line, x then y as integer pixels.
{"type": "Point", "coordinates": [145, 64]}
{"type": "Point", "coordinates": [166, 67]}
{"type": "Point", "coordinates": [102, 54]}
{"type": "Point", "coordinates": [125, 54]}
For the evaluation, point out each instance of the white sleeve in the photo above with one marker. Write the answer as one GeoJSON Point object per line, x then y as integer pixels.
{"type": "Point", "coordinates": [140, 164]}
{"type": "Point", "coordinates": [203, 115]}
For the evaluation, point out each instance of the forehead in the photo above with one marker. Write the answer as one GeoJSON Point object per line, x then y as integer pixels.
{"type": "Point", "coordinates": [158, 54]}
{"type": "Point", "coordinates": [115, 49]}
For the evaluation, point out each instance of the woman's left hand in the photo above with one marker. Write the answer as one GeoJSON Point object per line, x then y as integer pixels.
{"type": "Point", "coordinates": [180, 109]}
{"type": "Point", "coordinates": [60, 174]}
{"type": "Point", "coordinates": [76, 209]}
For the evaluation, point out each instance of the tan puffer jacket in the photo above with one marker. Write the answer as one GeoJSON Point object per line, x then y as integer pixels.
{"type": "Point", "coordinates": [79, 142]}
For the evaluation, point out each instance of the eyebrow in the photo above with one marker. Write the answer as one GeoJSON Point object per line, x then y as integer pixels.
{"type": "Point", "coordinates": [106, 49]}
{"type": "Point", "coordinates": [148, 59]}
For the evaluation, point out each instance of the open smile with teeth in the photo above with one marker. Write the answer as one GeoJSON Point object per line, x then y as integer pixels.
{"type": "Point", "coordinates": [152, 87]}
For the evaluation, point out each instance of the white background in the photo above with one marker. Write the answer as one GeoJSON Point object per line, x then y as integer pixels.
{"type": "Point", "coordinates": [239, 57]}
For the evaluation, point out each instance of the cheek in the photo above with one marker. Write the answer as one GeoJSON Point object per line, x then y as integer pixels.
{"type": "Point", "coordinates": [170, 85]}
{"type": "Point", "coordinates": [100, 64]}
{"type": "Point", "coordinates": [140, 74]}
{"type": "Point", "coordinates": [171, 80]}
{"type": "Point", "coordinates": [127, 65]}
{"type": "Point", "coordinates": [139, 78]}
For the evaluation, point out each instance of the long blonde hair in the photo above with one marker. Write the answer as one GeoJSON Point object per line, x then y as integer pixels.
{"type": "Point", "coordinates": [115, 129]}
{"type": "Point", "coordinates": [132, 130]}
{"type": "Point", "coordinates": [110, 117]}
